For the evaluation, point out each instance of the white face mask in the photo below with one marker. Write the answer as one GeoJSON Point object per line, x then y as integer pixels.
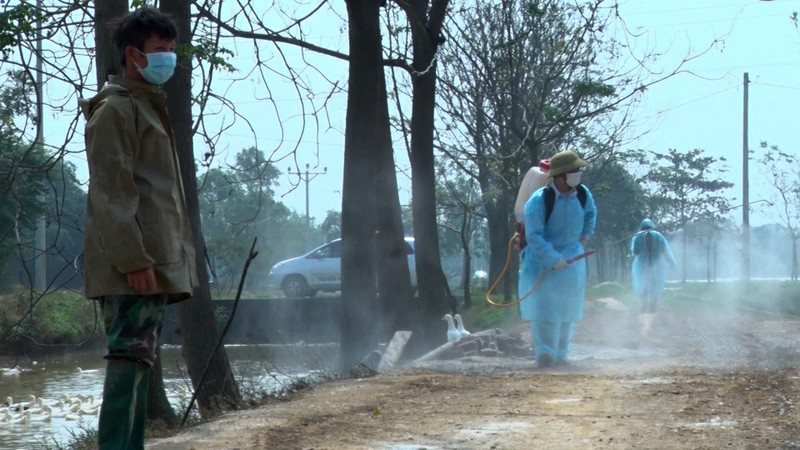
{"type": "Point", "coordinates": [573, 179]}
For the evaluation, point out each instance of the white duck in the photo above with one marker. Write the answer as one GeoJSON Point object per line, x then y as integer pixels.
{"type": "Point", "coordinates": [16, 370]}
{"type": "Point", "coordinates": [453, 335]}
{"type": "Point", "coordinates": [22, 418]}
{"type": "Point", "coordinates": [21, 406]}
{"type": "Point", "coordinates": [30, 417]}
{"type": "Point", "coordinates": [460, 326]}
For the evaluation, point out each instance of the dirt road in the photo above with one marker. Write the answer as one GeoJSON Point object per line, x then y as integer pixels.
{"type": "Point", "coordinates": [704, 380]}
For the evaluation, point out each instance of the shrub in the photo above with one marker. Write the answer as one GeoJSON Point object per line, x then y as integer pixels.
{"type": "Point", "coordinates": [61, 317]}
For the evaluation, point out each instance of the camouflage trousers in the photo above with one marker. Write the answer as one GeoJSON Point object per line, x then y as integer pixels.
{"type": "Point", "coordinates": [133, 324]}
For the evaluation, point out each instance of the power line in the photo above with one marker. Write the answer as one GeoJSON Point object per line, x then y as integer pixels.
{"type": "Point", "coordinates": [682, 10]}
{"type": "Point", "coordinates": [793, 88]}
{"type": "Point", "coordinates": [698, 99]}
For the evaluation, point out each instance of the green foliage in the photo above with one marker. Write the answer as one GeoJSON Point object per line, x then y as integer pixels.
{"type": "Point", "coordinates": [17, 24]}
{"type": "Point", "coordinates": [331, 227]}
{"type": "Point", "coordinates": [57, 318]}
{"type": "Point", "coordinates": [237, 204]}
{"type": "Point", "coordinates": [686, 186]}
{"type": "Point", "coordinates": [459, 212]}
{"type": "Point", "coordinates": [23, 172]}
{"type": "Point", "coordinates": [205, 49]}
{"type": "Point", "coordinates": [591, 88]}
{"type": "Point", "coordinates": [620, 200]}
{"type": "Point", "coordinates": [481, 315]}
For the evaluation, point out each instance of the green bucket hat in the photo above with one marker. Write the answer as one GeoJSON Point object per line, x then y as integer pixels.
{"type": "Point", "coordinates": [565, 162]}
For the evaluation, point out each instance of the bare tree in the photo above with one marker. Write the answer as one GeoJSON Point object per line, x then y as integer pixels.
{"type": "Point", "coordinates": [460, 212]}
{"type": "Point", "coordinates": [783, 174]}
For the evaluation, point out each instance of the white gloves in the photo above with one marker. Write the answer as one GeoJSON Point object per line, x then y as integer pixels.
{"type": "Point", "coordinates": [560, 264]}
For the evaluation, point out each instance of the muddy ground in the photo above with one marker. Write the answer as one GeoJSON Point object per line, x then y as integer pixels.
{"type": "Point", "coordinates": [705, 379]}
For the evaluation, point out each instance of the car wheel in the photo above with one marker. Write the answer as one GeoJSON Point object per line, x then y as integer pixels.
{"type": "Point", "coordinates": [295, 286]}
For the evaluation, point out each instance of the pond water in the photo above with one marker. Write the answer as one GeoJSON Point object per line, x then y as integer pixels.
{"type": "Point", "coordinates": [258, 368]}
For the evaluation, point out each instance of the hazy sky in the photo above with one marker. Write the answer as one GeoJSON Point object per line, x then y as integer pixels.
{"type": "Point", "coordinates": [701, 109]}
{"type": "Point", "coordinates": [704, 109]}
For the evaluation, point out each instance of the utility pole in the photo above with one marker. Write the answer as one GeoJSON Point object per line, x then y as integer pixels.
{"type": "Point", "coordinates": [745, 188]}
{"type": "Point", "coordinates": [40, 264]}
{"type": "Point", "coordinates": [307, 176]}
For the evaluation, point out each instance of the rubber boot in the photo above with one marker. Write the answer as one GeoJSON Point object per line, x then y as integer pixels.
{"type": "Point", "coordinates": [118, 412]}
{"type": "Point", "coordinates": [140, 411]}
{"type": "Point", "coordinates": [646, 323]}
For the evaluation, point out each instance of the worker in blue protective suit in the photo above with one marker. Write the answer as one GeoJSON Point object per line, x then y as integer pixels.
{"type": "Point", "coordinates": [651, 256]}
{"type": "Point", "coordinates": [557, 304]}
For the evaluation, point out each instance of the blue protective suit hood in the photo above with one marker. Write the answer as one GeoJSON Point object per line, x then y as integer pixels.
{"type": "Point", "coordinates": [647, 224]}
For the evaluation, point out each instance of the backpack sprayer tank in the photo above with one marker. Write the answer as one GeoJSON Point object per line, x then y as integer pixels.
{"type": "Point", "coordinates": [535, 178]}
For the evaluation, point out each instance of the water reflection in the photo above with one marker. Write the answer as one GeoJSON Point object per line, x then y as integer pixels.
{"type": "Point", "coordinates": [258, 368]}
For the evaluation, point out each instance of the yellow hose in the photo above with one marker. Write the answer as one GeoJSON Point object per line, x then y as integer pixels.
{"type": "Point", "coordinates": [502, 275]}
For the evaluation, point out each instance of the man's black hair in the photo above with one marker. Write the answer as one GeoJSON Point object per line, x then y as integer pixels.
{"type": "Point", "coordinates": [135, 28]}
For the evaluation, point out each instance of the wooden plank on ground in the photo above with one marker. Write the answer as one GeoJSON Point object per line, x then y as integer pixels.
{"type": "Point", "coordinates": [394, 350]}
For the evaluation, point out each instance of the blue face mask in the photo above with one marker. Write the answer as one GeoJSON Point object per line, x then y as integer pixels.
{"type": "Point", "coordinates": [160, 67]}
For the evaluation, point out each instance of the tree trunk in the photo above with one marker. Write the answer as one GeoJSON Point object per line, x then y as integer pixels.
{"type": "Point", "coordinates": [158, 407]}
{"type": "Point", "coordinates": [198, 325]}
{"type": "Point", "coordinates": [106, 57]}
{"type": "Point", "coordinates": [434, 293]}
{"type": "Point", "coordinates": [499, 226]}
{"type": "Point", "coordinates": [363, 132]}
{"type": "Point", "coordinates": [467, 277]}
{"type": "Point", "coordinates": [683, 256]}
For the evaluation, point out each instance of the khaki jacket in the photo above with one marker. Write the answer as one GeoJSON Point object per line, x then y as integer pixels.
{"type": "Point", "coordinates": [136, 213]}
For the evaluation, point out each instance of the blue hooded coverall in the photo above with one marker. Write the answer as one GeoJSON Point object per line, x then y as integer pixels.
{"type": "Point", "coordinates": [557, 304]}
{"type": "Point", "coordinates": [649, 268]}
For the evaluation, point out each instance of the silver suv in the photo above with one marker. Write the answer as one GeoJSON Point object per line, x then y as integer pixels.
{"type": "Point", "coordinates": [320, 270]}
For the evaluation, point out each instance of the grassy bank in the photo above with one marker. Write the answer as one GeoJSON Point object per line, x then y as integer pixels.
{"type": "Point", "coordinates": [58, 319]}
{"type": "Point", "coordinates": [776, 297]}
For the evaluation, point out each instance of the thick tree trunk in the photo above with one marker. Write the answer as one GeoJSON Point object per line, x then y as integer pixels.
{"type": "Point", "coordinates": [198, 325]}
{"type": "Point", "coordinates": [107, 59]}
{"type": "Point", "coordinates": [363, 133]}
{"type": "Point", "coordinates": [434, 293]}
{"type": "Point", "coordinates": [158, 407]}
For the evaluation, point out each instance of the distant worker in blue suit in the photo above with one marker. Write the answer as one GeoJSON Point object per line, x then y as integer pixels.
{"type": "Point", "coordinates": [651, 256]}
{"type": "Point", "coordinates": [559, 219]}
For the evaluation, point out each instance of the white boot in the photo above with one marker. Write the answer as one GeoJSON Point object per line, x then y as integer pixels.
{"type": "Point", "coordinates": [646, 323]}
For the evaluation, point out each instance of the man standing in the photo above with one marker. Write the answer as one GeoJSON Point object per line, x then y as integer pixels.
{"type": "Point", "coordinates": [559, 219]}
{"type": "Point", "coordinates": [651, 256]}
{"type": "Point", "coordinates": [138, 252]}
